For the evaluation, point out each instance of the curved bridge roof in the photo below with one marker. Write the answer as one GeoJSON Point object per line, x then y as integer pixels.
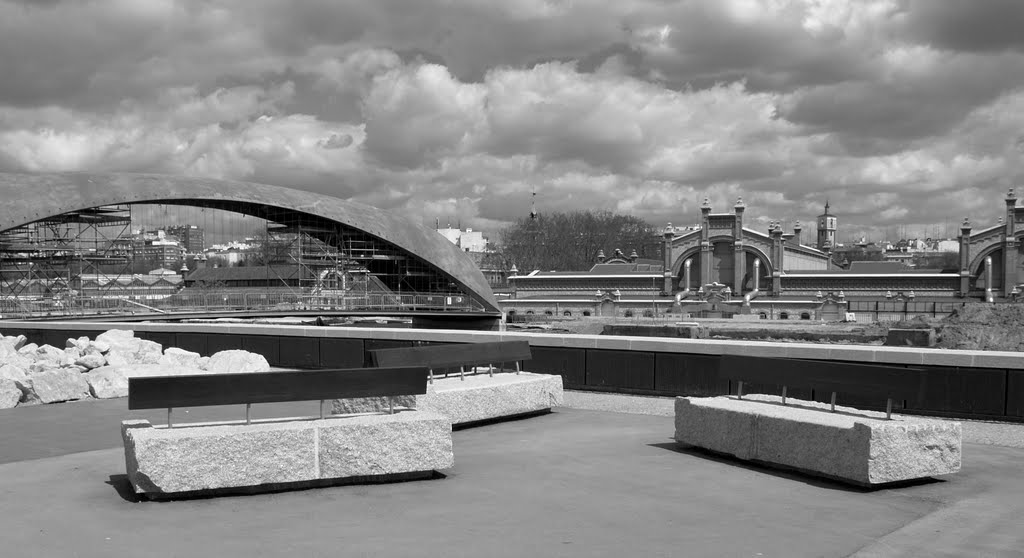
{"type": "Point", "coordinates": [31, 197]}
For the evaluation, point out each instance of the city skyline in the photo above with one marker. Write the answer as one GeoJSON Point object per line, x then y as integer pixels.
{"type": "Point", "coordinates": [901, 112]}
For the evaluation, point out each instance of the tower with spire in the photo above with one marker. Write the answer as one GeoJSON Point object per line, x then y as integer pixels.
{"type": "Point", "coordinates": [827, 224]}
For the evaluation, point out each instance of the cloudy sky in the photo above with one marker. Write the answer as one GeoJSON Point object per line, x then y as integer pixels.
{"type": "Point", "coordinates": [901, 112]}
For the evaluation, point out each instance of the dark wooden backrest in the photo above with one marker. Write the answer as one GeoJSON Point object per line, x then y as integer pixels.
{"type": "Point", "coordinates": [454, 355]}
{"type": "Point", "coordinates": [267, 387]}
{"type": "Point", "coordinates": [830, 376]}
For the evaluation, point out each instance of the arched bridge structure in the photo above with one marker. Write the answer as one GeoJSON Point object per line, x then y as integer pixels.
{"type": "Point", "coordinates": [365, 258]}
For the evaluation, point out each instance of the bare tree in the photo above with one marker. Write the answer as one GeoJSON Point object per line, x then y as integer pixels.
{"type": "Point", "coordinates": [571, 241]}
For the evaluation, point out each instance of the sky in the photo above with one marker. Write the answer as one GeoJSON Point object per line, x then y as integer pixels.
{"type": "Point", "coordinates": [906, 115]}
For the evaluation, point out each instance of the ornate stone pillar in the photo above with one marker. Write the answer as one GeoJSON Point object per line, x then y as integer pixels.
{"type": "Point", "coordinates": [965, 257]}
{"type": "Point", "coordinates": [705, 243]}
{"type": "Point", "coordinates": [666, 252]}
{"type": "Point", "coordinates": [1010, 245]}
{"type": "Point", "coordinates": [739, 259]}
{"type": "Point", "coordinates": [775, 232]}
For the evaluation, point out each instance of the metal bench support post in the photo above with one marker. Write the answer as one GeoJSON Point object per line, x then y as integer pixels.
{"type": "Point", "coordinates": [321, 409]}
{"type": "Point", "coordinates": [517, 367]}
{"type": "Point", "coordinates": [462, 373]}
{"type": "Point", "coordinates": [248, 407]}
{"type": "Point", "coordinates": [783, 395]}
{"type": "Point", "coordinates": [888, 409]}
{"type": "Point", "coordinates": [430, 375]}
{"type": "Point", "coordinates": [168, 417]}
{"type": "Point", "coordinates": [490, 369]}
{"type": "Point", "coordinates": [739, 389]}
{"type": "Point", "coordinates": [833, 404]}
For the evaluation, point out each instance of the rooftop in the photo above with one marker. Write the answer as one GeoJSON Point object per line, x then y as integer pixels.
{"type": "Point", "coordinates": [599, 477]}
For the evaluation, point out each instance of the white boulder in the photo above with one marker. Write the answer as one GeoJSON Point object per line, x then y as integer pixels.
{"type": "Point", "coordinates": [52, 386]}
{"type": "Point", "coordinates": [90, 361]}
{"type": "Point", "coordinates": [81, 343]}
{"type": "Point", "coordinates": [98, 346]}
{"type": "Point", "coordinates": [16, 341]}
{"type": "Point", "coordinates": [134, 351]}
{"type": "Point", "coordinates": [107, 382]}
{"type": "Point", "coordinates": [237, 361]}
{"type": "Point", "coordinates": [13, 372]}
{"type": "Point", "coordinates": [115, 336]}
{"type": "Point", "coordinates": [50, 353]}
{"type": "Point", "coordinates": [174, 356]}
{"type": "Point", "coordinates": [10, 394]}
{"type": "Point", "coordinates": [29, 351]}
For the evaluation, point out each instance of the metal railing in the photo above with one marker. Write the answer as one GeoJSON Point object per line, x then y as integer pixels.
{"type": "Point", "coordinates": [228, 301]}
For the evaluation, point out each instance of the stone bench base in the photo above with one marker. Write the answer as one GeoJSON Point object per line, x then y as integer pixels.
{"type": "Point", "coordinates": [479, 397]}
{"type": "Point", "coordinates": [851, 445]}
{"type": "Point", "coordinates": [206, 458]}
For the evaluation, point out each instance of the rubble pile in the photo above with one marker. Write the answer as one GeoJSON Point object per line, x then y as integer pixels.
{"type": "Point", "coordinates": [100, 367]}
{"type": "Point", "coordinates": [984, 327]}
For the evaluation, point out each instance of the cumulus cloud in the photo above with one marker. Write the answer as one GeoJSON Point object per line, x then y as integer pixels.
{"type": "Point", "coordinates": [897, 111]}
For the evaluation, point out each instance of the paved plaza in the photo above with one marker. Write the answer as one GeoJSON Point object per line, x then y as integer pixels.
{"type": "Point", "coordinates": [599, 477]}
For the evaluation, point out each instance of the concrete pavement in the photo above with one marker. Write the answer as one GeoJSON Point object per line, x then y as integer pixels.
{"type": "Point", "coordinates": [573, 483]}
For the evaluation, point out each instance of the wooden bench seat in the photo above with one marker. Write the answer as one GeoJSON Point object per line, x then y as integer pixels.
{"type": "Point", "coordinates": [199, 390]}
{"type": "Point", "coordinates": [868, 380]}
{"type": "Point", "coordinates": [461, 356]}
{"type": "Point", "coordinates": [477, 398]}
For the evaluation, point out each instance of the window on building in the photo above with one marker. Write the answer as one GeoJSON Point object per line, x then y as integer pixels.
{"type": "Point", "coordinates": [805, 315]}
{"type": "Point", "coordinates": [567, 313]}
{"type": "Point", "coordinates": [648, 314]}
{"type": "Point", "coordinates": [548, 313]}
{"type": "Point", "coordinates": [784, 316]}
{"type": "Point", "coordinates": [529, 312]}
{"type": "Point", "coordinates": [629, 313]}
{"type": "Point", "coordinates": [764, 316]}
{"type": "Point", "coordinates": [586, 312]}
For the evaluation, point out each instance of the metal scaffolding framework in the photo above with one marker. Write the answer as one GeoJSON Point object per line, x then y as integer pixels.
{"type": "Point", "coordinates": [82, 262]}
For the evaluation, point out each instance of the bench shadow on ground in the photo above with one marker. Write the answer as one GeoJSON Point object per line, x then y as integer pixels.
{"type": "Point", "coordinates": [123, 487]}
{"type": "Point", "coordinates": [788, 473]}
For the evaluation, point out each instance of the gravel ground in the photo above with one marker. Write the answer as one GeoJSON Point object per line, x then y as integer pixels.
{"type": "Point", "coordinates": [974, 431]}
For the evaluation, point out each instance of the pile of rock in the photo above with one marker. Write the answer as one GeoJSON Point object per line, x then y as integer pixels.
{"type": "Point", "coordinates": [32, 374]}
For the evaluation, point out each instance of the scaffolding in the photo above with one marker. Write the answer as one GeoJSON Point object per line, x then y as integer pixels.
{"type": "Point", "coordinates": [83, 262]}
{"type": "Point", "coordinates": [59, 263]}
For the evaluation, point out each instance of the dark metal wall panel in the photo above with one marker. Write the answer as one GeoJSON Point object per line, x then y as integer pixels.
{"type": "Point", "coordinates": [374, 344]}
{"type": "Point", "coordinates": [570, 364]}
{"type": "Point", "coordinates": [1015, 393]}
{"type": "Point", "coordinates": [341, 353]}
{"type": "Point", "coordinates": [300, 352]}
{"type": "Point", "coordinates": [979, 391]}
{"type": "Point", "coordinates": [58, 337]}
{"type": "Point", "coordinates": [166, 339]}
{"type": "Point", "coordinates": [195, 342]}
{"type": "Point", "coordinates": [267, 345]}
{"type": "Point", "coordinates": [624, 369]}
{"type": "Point", "coordinates": [682, 374]}
{"type": "Point", "coordinates": [216, 343]}
{"type": "Point", "coordinates": [857, 401]}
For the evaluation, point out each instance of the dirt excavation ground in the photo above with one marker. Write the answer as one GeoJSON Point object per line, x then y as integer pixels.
{"type": "Point", "coordinates": [975, 327]}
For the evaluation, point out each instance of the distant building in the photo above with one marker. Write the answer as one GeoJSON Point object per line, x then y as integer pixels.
{"type": "Point", "coordinates": [469, 240]}
{"type": "Point", "coordinates": [191, 237]}
{"type": "Point", "coordinates": [827, 226]}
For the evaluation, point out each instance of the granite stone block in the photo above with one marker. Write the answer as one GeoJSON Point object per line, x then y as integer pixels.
{"type": "Point", "coordinates": [200, 458]}
{"type": "Point", "coordinates": [859, 447]}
